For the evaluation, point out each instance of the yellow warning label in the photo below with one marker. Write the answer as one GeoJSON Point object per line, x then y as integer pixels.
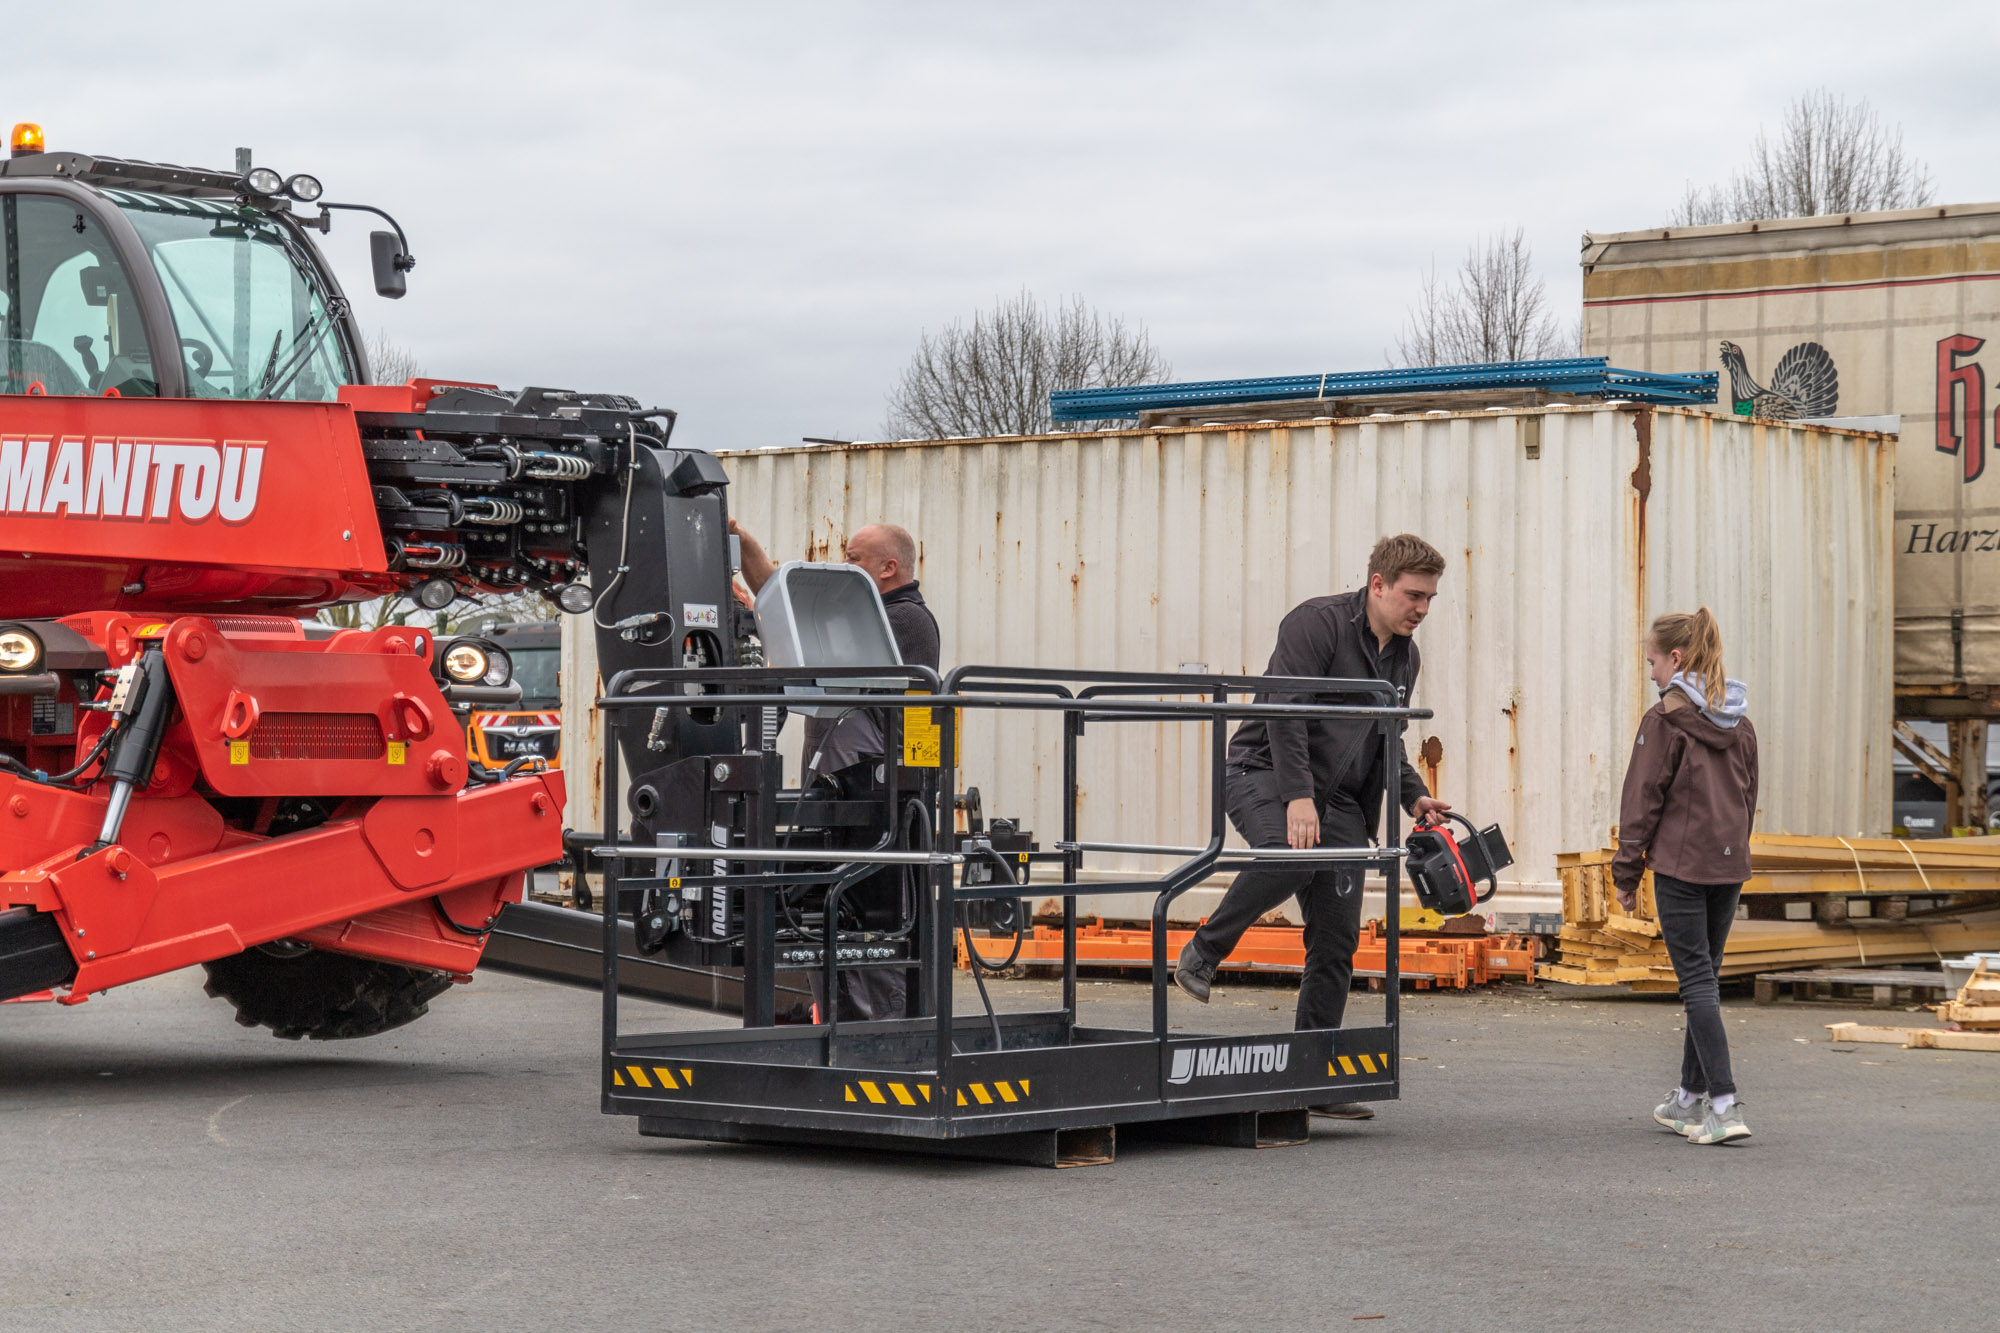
{"type": "Point", "coordinates": [239, 752]}
{"type": "Point", "coordinates": [984, 1098]}
{"type": "Point", "coordinates": [923, 738]}
{"type": "Point", "coordinates": [873, 1092]}
{"type": "Point", "coordinates": [674, 882]}
{"type": "Point", "coordinates": [397, 751]}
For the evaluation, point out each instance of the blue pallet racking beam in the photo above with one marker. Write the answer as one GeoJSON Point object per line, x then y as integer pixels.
{"type": "Point", "coordinates": [1584, 376]}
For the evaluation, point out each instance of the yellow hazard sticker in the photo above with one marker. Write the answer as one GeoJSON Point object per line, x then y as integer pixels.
{"type": "Point", "coordinates": [152, 631]}
{"type": "Point", "coordinates": [397, 751]}
{"type": "Point", "coordinates": [673, 881]}
{"type": "Point", "coordinates": [239, 752]}
{"type": "Point", "coordinates": [923, 738]}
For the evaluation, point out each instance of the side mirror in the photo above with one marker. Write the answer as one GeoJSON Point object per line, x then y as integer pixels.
{"type": "Point", "coordinates": [390, 264]}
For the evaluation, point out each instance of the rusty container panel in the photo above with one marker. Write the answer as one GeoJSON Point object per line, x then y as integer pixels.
{"type": "Point", "coordinates": [1854, 316]}
{"type": "Point", "coordinates": [1567, 530]}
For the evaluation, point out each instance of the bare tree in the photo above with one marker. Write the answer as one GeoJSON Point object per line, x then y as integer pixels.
{"type": "Point", "coordinates": [391, 362]}
{"type": "Point", "coordinates": [1494, 308]}
{"type": "Point", "coordinates": [994, 377]}
{"type": "Point", "coordinates": [1831, 156]}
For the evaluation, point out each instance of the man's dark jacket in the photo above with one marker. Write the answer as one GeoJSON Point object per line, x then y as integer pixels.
{"type": "Point", "coordinates": [1329, 636]}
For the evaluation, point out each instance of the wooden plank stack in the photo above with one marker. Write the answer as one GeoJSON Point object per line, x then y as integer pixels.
{"type": "Point", "coordinates": [1973, 1016]}
{"type": "Point", "coordinates": [1934, 897]}
{"type": "Point", "coordinates": [1976, 1008]}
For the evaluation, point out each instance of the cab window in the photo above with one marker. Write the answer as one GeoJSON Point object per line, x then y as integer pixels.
{"type": "Point", "coordinates": [254, 318]}
{"type": "Point", "coordinates": [68, 320]}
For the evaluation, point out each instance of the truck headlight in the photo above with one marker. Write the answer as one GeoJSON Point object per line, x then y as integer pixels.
{"type": "Point", "coordinates": [20, 649]}
{"type": "Point", "coordinates": [466, 662]}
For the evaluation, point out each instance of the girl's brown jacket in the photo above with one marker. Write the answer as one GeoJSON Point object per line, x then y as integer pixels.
{"type": "Point", "coordinates": [1690, 798]}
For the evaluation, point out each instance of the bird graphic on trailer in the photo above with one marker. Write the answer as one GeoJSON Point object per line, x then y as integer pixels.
{"type": "Point", "coordinates": [1805, 384]}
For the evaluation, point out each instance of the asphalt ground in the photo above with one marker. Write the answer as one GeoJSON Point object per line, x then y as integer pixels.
{"type": "Point", "coordinates": [166, 1169]}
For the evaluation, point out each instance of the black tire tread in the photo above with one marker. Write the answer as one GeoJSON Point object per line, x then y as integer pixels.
{"type": "Point", "coordinates": [322, 996]}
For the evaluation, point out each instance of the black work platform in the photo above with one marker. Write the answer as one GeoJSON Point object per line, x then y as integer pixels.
{"type": "Point", "coordinates": [1028, 1102]}
{"type": "Point", "coordinates": [1038, 1087]}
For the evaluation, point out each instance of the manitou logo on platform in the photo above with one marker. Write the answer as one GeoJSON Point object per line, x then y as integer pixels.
{"type": "Point", "coordinates": [147, 479]}
{"type": "Point", "coordinates": [1200, 1062]}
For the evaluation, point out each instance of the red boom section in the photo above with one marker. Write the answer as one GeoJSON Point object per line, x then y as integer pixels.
{"type": "Point", "coordinates": [401, 860]}
{"type": "Point", "coordinates": [183, 505]}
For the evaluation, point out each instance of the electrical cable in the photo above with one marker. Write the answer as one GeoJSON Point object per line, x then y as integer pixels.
{"type": "Point", "coordinates": [625, 526]}
{"type": "Point", "coordinates": [64, 779]}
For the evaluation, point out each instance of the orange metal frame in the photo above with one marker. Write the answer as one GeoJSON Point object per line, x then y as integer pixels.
{"type": "Point", "coordinates": [1454, 961]}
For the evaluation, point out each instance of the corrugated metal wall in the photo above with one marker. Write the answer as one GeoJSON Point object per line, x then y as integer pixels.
{"type": "Point", "coordinates": [1144, 550]}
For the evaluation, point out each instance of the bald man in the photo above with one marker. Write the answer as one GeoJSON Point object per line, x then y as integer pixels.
{"type": "Point", "coordinates": [853, 741]}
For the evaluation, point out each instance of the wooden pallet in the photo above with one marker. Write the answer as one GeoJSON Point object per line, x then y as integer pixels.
{"type": "Point", "coordinates": [1884, 987]}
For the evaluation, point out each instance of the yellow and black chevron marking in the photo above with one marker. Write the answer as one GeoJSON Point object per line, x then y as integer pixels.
{"type": "Point", "coordinates": [986, 1094]}
{"type": "Point", "coordinates": [1377, 1064]}
{"type": "Point", "coordinates": [635, 1076]}
{"type": "Point", "coordinates": [899, 1093]}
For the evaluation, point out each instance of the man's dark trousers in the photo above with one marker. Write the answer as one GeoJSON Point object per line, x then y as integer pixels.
{"type": "Point", "coordinates": [1330, 899]}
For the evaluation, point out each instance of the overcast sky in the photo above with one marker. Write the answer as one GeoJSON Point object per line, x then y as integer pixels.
{"type": "Point", "coordinates": [749, 211]}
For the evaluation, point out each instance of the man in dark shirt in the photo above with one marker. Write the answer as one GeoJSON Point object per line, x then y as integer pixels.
{"type": "Point", "coordinates": [1319, 783]}
{"type": "Point", "coordinates": [833, 746]}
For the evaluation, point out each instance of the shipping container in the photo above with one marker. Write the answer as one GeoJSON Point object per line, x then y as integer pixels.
{"type": "Point", "coordinates": [1861, 315]}
{"type": "Point", "coordinates": [1566, 529]}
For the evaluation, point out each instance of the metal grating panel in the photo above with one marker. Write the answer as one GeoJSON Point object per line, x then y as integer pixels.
{"type": "Point", "coordinates": [317, 736]}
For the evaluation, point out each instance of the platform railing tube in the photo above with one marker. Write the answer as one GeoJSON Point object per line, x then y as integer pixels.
{"type": "Point", "coordinates": [613, 739]}
{"type": "Point", "coordinates": [1072, 861]}
{"type": "Point", "coordinates": [943, 878]}
{"type": "Point", "coordinates": [1392, 880]}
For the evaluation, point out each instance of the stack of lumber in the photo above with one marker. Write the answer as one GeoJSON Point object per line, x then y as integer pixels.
{"type": "Point", "coordinates": [1601, 944]}
{"type": "Point", "coordinates": [1976, 1008]}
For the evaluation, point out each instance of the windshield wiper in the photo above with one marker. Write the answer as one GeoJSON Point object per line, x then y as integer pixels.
{"type": "Point", "coordinates": [270, 365]}
{"type": "Point", "coordinates": [305, 342]}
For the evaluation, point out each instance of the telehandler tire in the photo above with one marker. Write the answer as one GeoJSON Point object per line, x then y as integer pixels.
{"type": "Point", "coordinates": [306, 992]}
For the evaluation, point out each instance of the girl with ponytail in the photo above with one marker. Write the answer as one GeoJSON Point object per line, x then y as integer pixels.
{"type": "Point", "coordinates": [1689, 801]}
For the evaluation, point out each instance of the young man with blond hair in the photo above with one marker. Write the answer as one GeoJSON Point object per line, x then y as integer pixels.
{"type": "Point", "coordinates": [1319, 783]}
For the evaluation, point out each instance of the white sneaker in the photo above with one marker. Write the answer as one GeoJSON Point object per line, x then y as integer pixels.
{"type": "Point", "coordinates": [1681, 1119]}
{"type": "Point", "coordinates": [1720, 1127]}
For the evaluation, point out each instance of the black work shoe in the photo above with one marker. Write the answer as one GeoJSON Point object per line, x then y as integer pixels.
{"type": "Point", "coordinates": [1192, 975]}
{"type": "Point", "coordinates": [1344, 1111]}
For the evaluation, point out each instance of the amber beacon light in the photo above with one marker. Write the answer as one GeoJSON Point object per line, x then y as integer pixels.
{"type": "Point", "coordinates": [26, 138]}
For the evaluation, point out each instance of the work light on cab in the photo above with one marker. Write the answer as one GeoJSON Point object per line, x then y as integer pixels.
{"type": "Point", "coordinates": [466, 663]}
{"type": "Point", "coordinates": [27, 138]}
{"type": "Point", "coordinates": [304, 188]}
{"type": "Point", "coordinates": [499, 668]}
{"type": "Point", "coordinates": [20, 650]}
{"type": "Point", "coordinates": [264, 181]}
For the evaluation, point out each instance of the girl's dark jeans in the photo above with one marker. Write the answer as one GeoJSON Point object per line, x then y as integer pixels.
{"type": "Point", "coordinates": [1694, 919]}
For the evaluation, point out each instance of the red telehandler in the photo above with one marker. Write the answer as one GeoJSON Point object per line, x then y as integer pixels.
{"type": "Point", "coordinates": [192, 463]}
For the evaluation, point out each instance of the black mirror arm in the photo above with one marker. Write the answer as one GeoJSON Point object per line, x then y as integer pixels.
{"type": "Point", "coordinates": [404, 261]}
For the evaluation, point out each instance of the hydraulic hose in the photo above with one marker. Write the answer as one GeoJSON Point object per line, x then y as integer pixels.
{"type": "Point", "coordinates": [1020, 920]}
{"type": "Point", "coordinates": [979, 965]}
